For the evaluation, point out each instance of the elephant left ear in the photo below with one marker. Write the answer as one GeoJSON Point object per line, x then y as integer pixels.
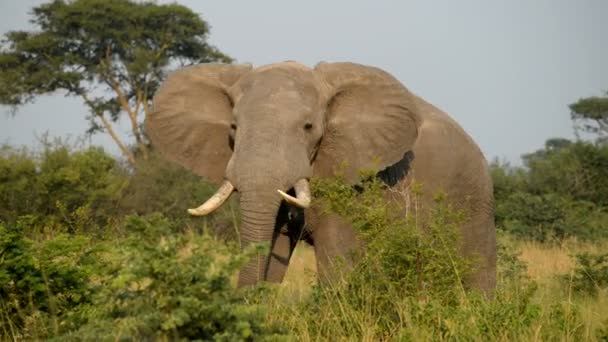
{"type": "Point", "coordinates": [371, 121]}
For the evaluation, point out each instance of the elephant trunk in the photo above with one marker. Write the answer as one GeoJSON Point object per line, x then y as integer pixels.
{"type": "Point", "coordinates": [257, 175]}
{"type": "Point", "coordinates": [259, 210]}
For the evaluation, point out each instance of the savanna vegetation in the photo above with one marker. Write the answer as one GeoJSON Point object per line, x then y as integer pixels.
{"type": "Point", "coordinates": [91, 249]}
{"type": "Point", "coordinates": [94, 247]}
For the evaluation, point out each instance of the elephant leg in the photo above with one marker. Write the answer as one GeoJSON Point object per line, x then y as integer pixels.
{"type": "Point", "coordinates": [479, 245]}
{"type": "Point", "coordinates": [335, 244]}
{"type": "Point", "coordinates": [282, 249]}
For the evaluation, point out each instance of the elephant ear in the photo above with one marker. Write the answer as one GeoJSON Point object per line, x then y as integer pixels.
{"type": "Point", "coordinates": [190, 118]}
{"type": "Point", "coordinates": [371, 122]}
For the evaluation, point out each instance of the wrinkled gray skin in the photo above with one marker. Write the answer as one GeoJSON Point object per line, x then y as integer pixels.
{"type": "Point", "coordinates": [360, 115]}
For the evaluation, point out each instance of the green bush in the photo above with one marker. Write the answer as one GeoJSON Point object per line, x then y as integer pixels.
{"type": "Point", "coordinates": [146, 282]}
{"type": "Point", "coordinates": [86, 190]}
{"type": "Point", "coordinates": [590, 273]}
{"type": "Point", "coordinates": [510, 269]}
{"type": "Point", "coordinates": [550, 216]}
{"type": "Point", "coordinates": [72, 255]}
{"type": "Point", "coordinates": [58, 186]}
{"type": "Point", "coordinates": [44, 279]}
{"type": "Point", "coordinates": [507, 180]}
{"type": "Point", "coordinates": [559, 193]}
{"type": "Point", "coordinates": [578, 170]}
{"type": "Point", "coordinates": [168, 286]}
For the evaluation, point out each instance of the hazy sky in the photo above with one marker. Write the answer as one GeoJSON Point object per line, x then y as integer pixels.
{"type": "Point", "coordinates": [505, 70]}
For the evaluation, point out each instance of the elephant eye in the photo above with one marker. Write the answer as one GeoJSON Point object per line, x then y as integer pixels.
{"type": "Point", "coordinates": [233, 126]}
{"type": "Point", "coordinates": [308, 126]}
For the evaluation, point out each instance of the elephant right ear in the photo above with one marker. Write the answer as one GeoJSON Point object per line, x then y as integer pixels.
{"type": "Point", "coordinates": [190, 118]}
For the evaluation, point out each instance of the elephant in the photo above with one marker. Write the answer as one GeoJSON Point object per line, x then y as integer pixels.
{"type": "Point", "coordinates": [265, 131]}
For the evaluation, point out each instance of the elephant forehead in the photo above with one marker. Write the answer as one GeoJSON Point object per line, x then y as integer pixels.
{"type": "Point", "coordinates": [277, 102]}
{"type": "Point", "coordinates": [287, 65]}
{"type": "Point", "coordinates": [279, 89]}
{"type": "Point", "coordinates": [280, 76]}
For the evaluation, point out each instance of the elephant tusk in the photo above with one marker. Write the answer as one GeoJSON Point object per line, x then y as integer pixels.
{"type": "Point", "coordinates": [220, 196]}
{"type": "Point", "coordinates": [302, 198]}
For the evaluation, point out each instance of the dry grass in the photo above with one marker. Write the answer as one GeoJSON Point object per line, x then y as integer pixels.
{"type": "Point", "coordinates": [548, 262]}
{"type": "Point", "coordinates": [301, 274]}
{"type": "Point", "coordinates": [545, 261]}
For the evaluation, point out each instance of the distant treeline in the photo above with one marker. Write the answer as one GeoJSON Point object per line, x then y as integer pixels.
{"type": "Point", "coordinates": [561, 191]}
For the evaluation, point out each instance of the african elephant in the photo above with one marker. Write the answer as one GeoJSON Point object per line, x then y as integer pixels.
{"type": "Point", "coordinates": [259, 130]}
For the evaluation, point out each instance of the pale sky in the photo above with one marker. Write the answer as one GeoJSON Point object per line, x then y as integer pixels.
{"type": "Point", "coordinates": [505, 70]}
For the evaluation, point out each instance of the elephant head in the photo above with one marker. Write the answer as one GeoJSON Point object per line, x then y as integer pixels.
{"type": "Point", "coordinates": [265, 131]}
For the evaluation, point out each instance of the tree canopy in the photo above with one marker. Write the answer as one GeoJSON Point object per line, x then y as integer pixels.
{"type": "Point", "coordinates": [112, 54]}
{"type": "Point", "coordinates": [592, 112]}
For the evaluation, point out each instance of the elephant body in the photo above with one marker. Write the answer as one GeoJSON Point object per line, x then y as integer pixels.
{"type": "Point", "coordinates": [451, 163]}
{"type": "Point", "coordinates": [274, 127]}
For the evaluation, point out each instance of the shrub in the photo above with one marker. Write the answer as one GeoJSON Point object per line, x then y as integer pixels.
{"type": "Point", "coordinates": [578, 170]}
{"type": "Point", "coordinates": [41, 279]}
{"type": "Point", "coordinates": [550, 216]}
{"type": "Point", "coordinates": [58, 186]}
{"type": "Point", "coordinates": [168, 286]}
{"type": "Point", "coordinates": [560, 193]}
{"type": "Point", "coordinates": [590, 273]}
{"type": "Point", "coordinates": [510, 269]}
{"type": "Point", "coordinates": [147, 281]}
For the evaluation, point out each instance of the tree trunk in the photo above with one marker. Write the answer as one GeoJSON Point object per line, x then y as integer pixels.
{"type": "Point", "coordinates": [121, 146]}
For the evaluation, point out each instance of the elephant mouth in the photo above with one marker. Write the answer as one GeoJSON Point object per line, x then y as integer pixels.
{"type": "Point", "coordinates": [299, 196]}
{"type": "Point", "coordinates": [290, 221]}
{"type": "Point", "coordinates": [290, 218]}
{"type": "Point", "coordinates": [302, 194]}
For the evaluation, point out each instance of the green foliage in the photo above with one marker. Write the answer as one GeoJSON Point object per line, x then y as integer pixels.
{"type": "Point", "coordinates": [167, 286]}
{"type": "Point", "coordinates": [62, 189]}
{"type": "Point", "coordinates": [45, 279]}
{"type": "Point", "coordinates": [550, 216]}
{"type": "Point", "coordinates": [147, 281]}
{"type": "Point", "coordinates": [592, 113]}
{"type": "Point", "coordinates": [510, 269]}
{"type": "Point", "coordinates": [507, 180]}
{"type": "Point", "coordinates": [562, 192]}
{"type": "Point", "coordinates": [400, 261]}
{"type": "Point", "coordinates": [95, 41]}
{"type": "Point", "coordinates": [590, 274]}
{"type": "Point", "coordinates": [76, 190]}
{"type": "Point", "coordinates": [579, 170]}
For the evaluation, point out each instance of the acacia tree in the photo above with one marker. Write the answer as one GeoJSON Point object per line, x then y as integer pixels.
{"type": "Point", "coordinates": [592, 113]}
{"type": "Point", "coordinates": [112, 54]}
